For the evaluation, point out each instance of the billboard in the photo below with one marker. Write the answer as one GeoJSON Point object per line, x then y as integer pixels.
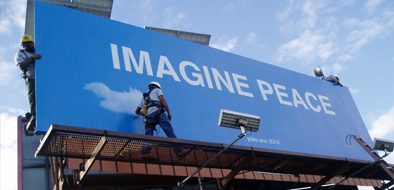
{"type": "Point", "coordinates": [94, 71]}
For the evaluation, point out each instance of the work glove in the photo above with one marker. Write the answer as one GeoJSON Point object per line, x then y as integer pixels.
{"type": "Point", "coordinates": [36, 56]}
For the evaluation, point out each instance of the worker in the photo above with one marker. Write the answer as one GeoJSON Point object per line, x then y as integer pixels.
{"type": "Point", "coordinates": [334, 79]}
{"type": "Point", "coordinates": [25, 59]}
{"type": "Point", "coordinates": [153, 107]}
{"type": "Point", "coordinates": [318, 72]}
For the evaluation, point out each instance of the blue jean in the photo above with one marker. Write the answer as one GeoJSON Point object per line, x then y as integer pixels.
{"type": "Point", "coordinates": [152, 120]}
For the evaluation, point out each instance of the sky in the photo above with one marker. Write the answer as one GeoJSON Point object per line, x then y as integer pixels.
{"type": "Point", "coordinates": [353, 39]}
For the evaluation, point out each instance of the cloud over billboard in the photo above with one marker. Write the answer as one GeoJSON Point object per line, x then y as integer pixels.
{"type": "Point", "coordinates": [120, 102]}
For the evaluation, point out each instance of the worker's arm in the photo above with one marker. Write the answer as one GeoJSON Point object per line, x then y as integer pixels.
{"type": "Point", "coordinates": [138, 111]}
{"type": "Point", "coordinates": [165, 105]}
{"type": "Point", "coordinates": [139, 107]}
{"type": "Point", "coordinates": [24, 64]}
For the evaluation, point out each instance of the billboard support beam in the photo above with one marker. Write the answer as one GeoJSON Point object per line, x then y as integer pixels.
{"type": "Point", "coordinates": [383, 164]}
{"type": "Point", "coordinates": [385, 186]}
{"type": "Point", "coordinates": [30, 125]}
{"type": "Point", "coordinates": [327, 178]}
{"type": "Point", "coordinates": [224, 182]}
{"type": "Point", "coordinates": [65, 141]}
{"type": "Point", "coordinates": [378, 161]}
{"type": "Point", "coordinates": [57, 172]}
{"type": "Point", "coordinates": [122, 148]}
{"type": "Point", "coordinates": [89, 163]}
{"type": "Point", "coordinates": [240, 136]}
{"type": "Point", "coordinates": [281, 164]}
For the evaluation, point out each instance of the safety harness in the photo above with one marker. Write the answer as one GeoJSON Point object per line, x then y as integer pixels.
{"type": "Point", "coordinates": [24, 70]}
{"type": "Point", "coordinates": [148, 103]}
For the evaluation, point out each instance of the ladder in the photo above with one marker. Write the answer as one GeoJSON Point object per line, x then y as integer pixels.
{"type": "Point", "coordinates": [378, 160]}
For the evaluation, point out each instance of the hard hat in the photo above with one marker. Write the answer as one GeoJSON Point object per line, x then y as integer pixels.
{"type": "Point", "coordinates": [26, 38]}
{"type": "Point", "coordinates": [155, 83]}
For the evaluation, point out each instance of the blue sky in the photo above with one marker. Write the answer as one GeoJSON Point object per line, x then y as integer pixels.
{"type": "Point", "coordinates": [353, 39]}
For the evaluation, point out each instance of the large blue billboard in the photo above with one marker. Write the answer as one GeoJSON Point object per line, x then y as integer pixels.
{"type": "Point", "coordinates": [94, 71]}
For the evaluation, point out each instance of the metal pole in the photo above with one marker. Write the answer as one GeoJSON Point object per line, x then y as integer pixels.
{"type": "Point", "coordinates": [240, 136]}
{"type": "Point", "coordinates": [353, 174]}
{"type": "Point", "coordinates": [200, 184]}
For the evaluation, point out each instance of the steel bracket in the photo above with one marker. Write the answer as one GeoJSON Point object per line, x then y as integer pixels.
{"type": "Point", "coordinates": [89, 163]}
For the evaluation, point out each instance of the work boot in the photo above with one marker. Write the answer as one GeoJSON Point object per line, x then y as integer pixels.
{"type": "Point", "coordinates": [28, 116]}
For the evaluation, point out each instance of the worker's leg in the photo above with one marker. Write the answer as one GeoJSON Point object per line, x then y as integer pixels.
{"type": "Point", "coordinates": [169, 131]}
{"type": "Point", "coordinates": [150, 125]}
{"type": "Point", "coordinates": [31, 94]}
{"type": "Point", "coordinates": [166, 126]}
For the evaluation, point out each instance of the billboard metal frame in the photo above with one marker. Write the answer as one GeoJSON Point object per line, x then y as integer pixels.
{"type": "Point", "coordinates": [61, 141]}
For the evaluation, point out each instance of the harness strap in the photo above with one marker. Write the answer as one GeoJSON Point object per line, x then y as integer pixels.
{"type": "Point", "coordinates": [152, 103]}
{"type": "Point", "coordinates": [24, 70]}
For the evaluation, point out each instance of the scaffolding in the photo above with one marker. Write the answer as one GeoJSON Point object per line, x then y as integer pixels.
{"type": "Point", "coordinates": [82, 149]}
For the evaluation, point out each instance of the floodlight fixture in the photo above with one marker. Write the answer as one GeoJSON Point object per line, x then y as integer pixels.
{"type": "Point", "coordinates": [237, 120]}
{"type": "Point", "coordinates": [383, 145]}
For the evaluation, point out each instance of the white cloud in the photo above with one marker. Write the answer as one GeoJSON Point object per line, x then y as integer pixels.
{"type": "Point", "coordinates": [323, 38]}
{"type": "Point", "coordinates": [286, 13]}
{"type": "Point", "coordinates": [172, 16]}
{"type": "Point", "coordinates": [9, 72]}
{"type": "Point", "coordinates": [141, 13]}
{"type": "Point", "coordinates": [383, 125]}
{"type": "Point", "coordinates": [371, 5]}
{"type": "Point", "coordinates": [12, 14]}
{"type": "Point", "coordinates": [362, 32]}
{"type": "Point", "coordinates": [337, 68]}
{"type": "Point", "coordinates": [225, 45]}
{"type": "Point", "coordinates": [8, 147]}
{"type": "Point", "coordinates": [5, 26]}
{"type": "Point", "coordinates": [311, 9]}
{"type": "Point", "coordinates": [310, 47]}
{"type": "Point", "coordinates": [121, 102]}
{"type": "Point", "coordinates": [251, 37]}
{"type": "Point", "coordinates": [299, 16]}
{"type": "Point", "coordinates": [389, 16]}
{"type": "Point", "coordinates": [8, 167]}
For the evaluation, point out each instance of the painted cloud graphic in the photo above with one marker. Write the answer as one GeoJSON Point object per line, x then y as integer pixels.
{"type": "Point", "coordinates": [121, 102]}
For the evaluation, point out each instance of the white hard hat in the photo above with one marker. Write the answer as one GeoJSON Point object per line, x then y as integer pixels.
{"type": "Point", "coordinates": [155, 83]}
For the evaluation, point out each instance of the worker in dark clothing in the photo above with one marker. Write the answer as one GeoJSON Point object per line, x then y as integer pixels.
{"type": "Point", "coordinates": [153, 106]}
{"type": "Point", "coordinates": [318, 72]}
{"type": "Point", "coordinates": [334, 79]}
{"type": "Point", "coordinates": [25, 60]}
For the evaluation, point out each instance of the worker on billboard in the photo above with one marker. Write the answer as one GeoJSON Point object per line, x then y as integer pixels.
{"type": "Point", "coordinates": [334, 79]}
{"type": "Point", "coordinates": [318, 72]}
{"type": "Point", "coordinates": [25, 60]}
{"type": "Point", "coordinates": [153, 107]}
